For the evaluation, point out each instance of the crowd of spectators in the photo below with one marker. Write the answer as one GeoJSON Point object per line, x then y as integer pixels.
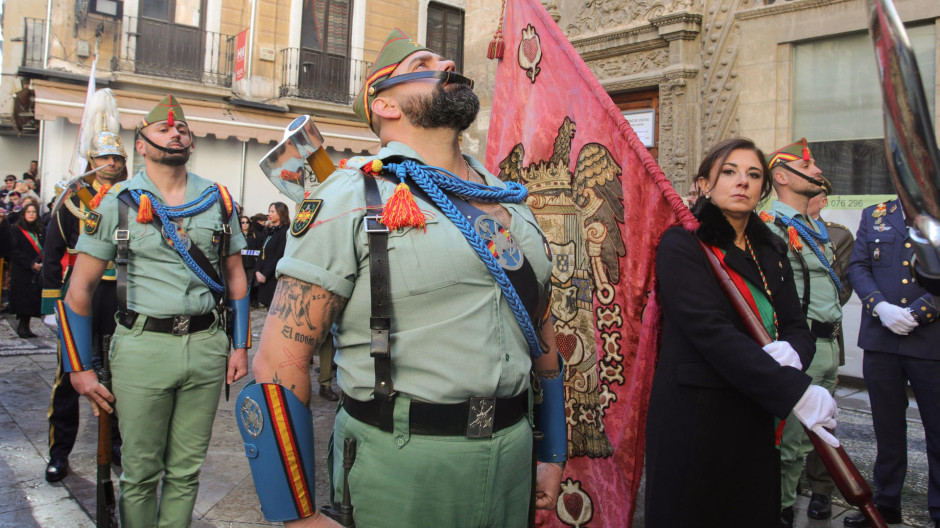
{"type": "Point", "coordinates": [23, 224]}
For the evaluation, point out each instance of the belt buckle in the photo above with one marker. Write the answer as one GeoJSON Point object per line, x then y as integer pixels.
{"type": "Point", "coordinates": [181, 325]}
{"type": "Point", "coordinates": [381, 228]}
{"type": "Point", "coordinates": [481, 418]}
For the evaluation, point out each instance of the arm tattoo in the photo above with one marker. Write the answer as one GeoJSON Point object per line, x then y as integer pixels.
{"type": "Point", "coordinates": [296, 303]}
{"type": "Point", "coordinates": [278, 381]}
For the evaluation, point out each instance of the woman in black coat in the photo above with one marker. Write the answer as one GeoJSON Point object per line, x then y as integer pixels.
{"type": "Point", "coordinates": [712, 458]}
{"type": "Point", "coordinates": [27, 236]}
{"type": "Point", "coordinates": [272, 249]}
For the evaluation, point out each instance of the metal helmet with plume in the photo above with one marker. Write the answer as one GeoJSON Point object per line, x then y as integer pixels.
{"type": "Point", "coordinates": [100, 126]}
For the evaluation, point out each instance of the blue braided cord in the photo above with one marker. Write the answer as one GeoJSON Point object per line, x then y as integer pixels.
{"type": "Point", "coordinates": [449, 182]}
{"type": "Point", "coordinates": [210, 193]}
{"type": "Point", "coordinates": [811, 237]}
{"type": "Point", "coordinates": [167, 218]}
{"type": "Point", "coordinates": [427, 179]}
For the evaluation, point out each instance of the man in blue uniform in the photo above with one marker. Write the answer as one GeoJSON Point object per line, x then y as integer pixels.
{"type": "Point", "coordinates": [104, 150]}
{"type": "Point", "coordinates": [901, 343]}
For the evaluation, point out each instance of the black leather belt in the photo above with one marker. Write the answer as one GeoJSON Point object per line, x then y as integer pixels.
{"type": "Point", "coordinates": [474, 418]}
{"type": "Point", "coordinates": [824, 330]}
{"type": "Point", "coordinates": [180, 325]}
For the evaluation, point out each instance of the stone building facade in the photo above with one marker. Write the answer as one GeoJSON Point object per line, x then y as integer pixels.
{"type": "Point", "coordinates": [770, 70]}
{"type": "Point", "coordinates": [713, 68]}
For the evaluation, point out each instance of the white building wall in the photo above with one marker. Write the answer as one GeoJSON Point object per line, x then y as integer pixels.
{"type": "Point", "coordinates": [16, 153]}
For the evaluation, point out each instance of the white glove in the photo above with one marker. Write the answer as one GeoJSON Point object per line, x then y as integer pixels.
{"type": "Point", "coordinates": [893, 317]}
{"type": "Point", "coordinates": [817, 410]}
{"type": "Point", "coordinates": [784, 354]}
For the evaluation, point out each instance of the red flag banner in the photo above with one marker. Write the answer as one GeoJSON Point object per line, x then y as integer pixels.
{"type": "Point", "coordinates": [603, 203]}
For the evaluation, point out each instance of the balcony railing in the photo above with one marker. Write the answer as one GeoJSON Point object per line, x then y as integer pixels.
{"type": "Point", "coordinates": [163, 49]}
{"type": "Point", "coordinates": [311, 74]}
{"type": "Point", "coordinates": [34, 34]}
{"type": "Point", "coordinates": [151, 47]}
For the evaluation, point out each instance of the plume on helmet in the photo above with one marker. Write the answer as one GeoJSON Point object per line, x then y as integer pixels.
{"type": "Point", "coordinates": [100, 127]}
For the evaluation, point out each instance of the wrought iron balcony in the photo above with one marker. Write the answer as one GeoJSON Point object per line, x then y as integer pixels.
{"type": "Point", "coordinates": [312, 74]}
{"type": "Point", "coordinates": [151, 47]}
{"type": "Point", "coordinates": [163, 49]}
{"type": "Point", "coordinates": [33, 38]}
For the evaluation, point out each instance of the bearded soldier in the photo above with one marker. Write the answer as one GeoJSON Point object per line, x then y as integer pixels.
{"type": "Point", "coordinates": [434, 277]}
{"type": "Point", "coordinates": [176, 245]}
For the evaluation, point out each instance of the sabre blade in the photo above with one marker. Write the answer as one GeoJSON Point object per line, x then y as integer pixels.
{"type": "Point", "coordinates": [911, 146]}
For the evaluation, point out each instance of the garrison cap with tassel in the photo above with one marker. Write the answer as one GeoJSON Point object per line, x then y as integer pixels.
{"type": "Point", "coordinates": [792, 152]}
{"type": "Point", "coordinates": [168, 109]}
{"type": "Point", "coordinates": [397, 47]}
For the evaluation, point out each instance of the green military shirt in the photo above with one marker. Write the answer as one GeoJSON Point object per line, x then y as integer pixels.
{"type": "Point", "coordinates": [824, 303]}
{"type": "Point", "coordinates": [159, 284]}
{"type": "Point", "coordinates": [453, 334]}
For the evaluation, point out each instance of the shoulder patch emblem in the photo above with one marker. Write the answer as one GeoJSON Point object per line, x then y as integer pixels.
{"type": "Point", "coordinates": [92, 222]}
{"type": "Point", "coordinates": [305, 217]}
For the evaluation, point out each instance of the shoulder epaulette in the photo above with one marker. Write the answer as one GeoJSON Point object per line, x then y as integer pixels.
{"type": "Point", "coordinates": [226, 198]}
{"type": "Point", "coordinates": [834, 224]}
{"type": "Point", "coordinates": [767, 217]}
{"type": "Point", "coordinates": [357, 162]}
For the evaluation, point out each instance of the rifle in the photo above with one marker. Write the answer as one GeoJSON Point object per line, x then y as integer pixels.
{"type": "Point", "coordinates": [106, 515]}
{"type": "Point", "coordinates": [844, 473]}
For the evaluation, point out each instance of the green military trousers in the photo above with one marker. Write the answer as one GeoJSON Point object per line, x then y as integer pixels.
{"type": "Point", "coordinates": [167, 390]}
{"type": "Point", "coordinates": [402, 480]}
{"type": "Point", "coordinates": [794, 444]}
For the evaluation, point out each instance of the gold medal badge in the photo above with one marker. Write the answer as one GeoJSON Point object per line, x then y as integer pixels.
{"type": "Point", "coordinates": [305, 217]}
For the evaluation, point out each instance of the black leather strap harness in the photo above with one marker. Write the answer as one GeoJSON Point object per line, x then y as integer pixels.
{"type": "Point", "coordinates": [122, 237]}
{"type": "Point", "coordinates": [522, 279]}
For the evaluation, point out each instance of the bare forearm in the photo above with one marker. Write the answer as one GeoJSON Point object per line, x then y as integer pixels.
{"type": "Point", "coordinates": [82, 284]}
{"type": "Point", "coordinates": [298, 322]}
{"type": "Point", "coordinates": [235, 279]}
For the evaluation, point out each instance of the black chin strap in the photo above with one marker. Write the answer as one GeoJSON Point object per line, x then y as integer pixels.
{"type": "Point", "coordinates": [168, 150]}
{"type": "Point", "coordinates": [447, 77]}
{"type": "Point", "coordinates": [814, 181]}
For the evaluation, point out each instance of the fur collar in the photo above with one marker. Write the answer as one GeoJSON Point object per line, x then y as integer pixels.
{"type": "Point", "coordinates": [714, 229]}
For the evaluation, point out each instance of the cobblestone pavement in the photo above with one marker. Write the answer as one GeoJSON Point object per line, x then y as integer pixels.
{"type": "Point", "coordinates": [227, 495]}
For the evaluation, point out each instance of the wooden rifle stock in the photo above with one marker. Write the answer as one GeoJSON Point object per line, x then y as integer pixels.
{"type": "Point", "coordinates": [844, 473]}
{"type": "Point", "coordinates": [105, 508]}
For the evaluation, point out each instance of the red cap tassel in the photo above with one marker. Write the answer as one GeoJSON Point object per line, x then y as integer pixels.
{"type": "Point", "coordinates": [401, 210]}
{"type": "Point", "coordinates": [145, 210]}
{"type": "Point", "coordinates": [96, 201]}
{"type": "Point", "coordinates": [805, 150]}
{"type": "Point", "coordinates": [169, 118]}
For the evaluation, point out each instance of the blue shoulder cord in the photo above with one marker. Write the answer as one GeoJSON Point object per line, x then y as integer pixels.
{"type": "Point", "coordinates": [811, 237]}
{"type": "Point", "coordinates": [207, 199]}
{"type": "Point", "coordinates": [432, 180]}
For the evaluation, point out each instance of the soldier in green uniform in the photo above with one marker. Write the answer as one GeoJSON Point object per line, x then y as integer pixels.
{"type": "Point", "coordinates": [842, 243]}
{"type": "Point", "coordinates": [175, 240]}
{"type": "Point", "coordinates": [796, 180]}
{"type": "Point", "coordinates": [436, 383]}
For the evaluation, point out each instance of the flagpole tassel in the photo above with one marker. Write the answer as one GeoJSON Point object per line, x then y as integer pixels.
{"type": "Point", "coordinates": [495, 50]}
{"type": "Point", "coordinates": [144, 210]}
{"type": "Point", "coordinates": [401, 210]}
{"type": "Point", "coordinates": [96, 201]}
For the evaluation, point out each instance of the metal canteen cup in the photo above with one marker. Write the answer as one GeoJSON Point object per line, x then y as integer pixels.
{"type": "Point", "coordinates": [299, 162]}
{"type": "Point", "coordinates": [910, 143]}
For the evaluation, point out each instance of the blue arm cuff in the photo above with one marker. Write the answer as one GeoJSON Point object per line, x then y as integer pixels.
{"type": "Point", "coordinates": [277, 430]}
{"type": "Point", "coordinates": [241, 315]}
{"type": "Point", "coordinates": [554, 447]}
{"type": "Point", "coordinates": [74, 338]}
{"type": "Point", "coordinates": [871, 300]}
{"type": "Point", "coordinates": [925, 310]}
